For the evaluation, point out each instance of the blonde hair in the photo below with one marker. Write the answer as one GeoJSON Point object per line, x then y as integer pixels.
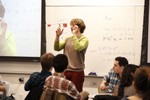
{"type": "Point", "coordinates": [80, 23]}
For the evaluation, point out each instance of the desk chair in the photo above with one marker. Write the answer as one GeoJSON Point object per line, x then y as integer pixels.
{"type": "Point", "coordinates": [50, 94]}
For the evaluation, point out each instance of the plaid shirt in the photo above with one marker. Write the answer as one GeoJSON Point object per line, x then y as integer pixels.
{"type": "Point", "coordinates": [62, 85]}
{"type": "Point", "coordinates": [37, 79]}
{"type": "Point", "coordinates": [113, 79]}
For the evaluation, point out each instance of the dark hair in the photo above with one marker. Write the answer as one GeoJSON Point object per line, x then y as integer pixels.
{"type": "Point", "coordinates": [122, 61]}
{"type": "Point", "coordinates": [142, 82]}
{"type": "Point", "coordinates": [46, 61]}
{"type": "Point", "coordinates": [126, 78]}
{"type": "Point", "coordinates": [2, 10]}
{"type": "Point", "coordinates": [79, 23]}
{"type": "Point", "coordinates": [60, 62]}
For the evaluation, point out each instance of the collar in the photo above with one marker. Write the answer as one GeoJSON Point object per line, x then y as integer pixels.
{"type": "Point", "coordinates": [59, 74]}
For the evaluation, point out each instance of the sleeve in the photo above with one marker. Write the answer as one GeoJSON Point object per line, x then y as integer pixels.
{"type": "Point", "coordinates": [80, 44]}
{"type": "Point", "coordinates": [107, 77]}
{"type": "Point", "coordinates": [27, 85]}
{"type": "Point", "coordinates": [30, 82]}
{"type": "Point", "coordinates": [73, 92]}
{"type": "Point", "coordinates": [59, 45]}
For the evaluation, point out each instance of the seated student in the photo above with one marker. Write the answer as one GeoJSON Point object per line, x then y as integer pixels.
{"type": "Point", "coordinates": [4, 90]}
{"type": "Point", "coordinates": [4, 87]}
{"type": "Point", "coordinates": [37, 79]}
{"type": "Point", "coordinates": [126, 87]}
{"type": "Point", "coordinates": [58, 82]}
{"type": "Point", "coordinates": [141, 84]}
{"type": "Point", "coordinates": [112, 79]}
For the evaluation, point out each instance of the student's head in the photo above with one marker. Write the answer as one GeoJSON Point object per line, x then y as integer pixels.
{"type": "Point", "coordinates": [79, 23]}
{"type": "Point", "coordinates": [60, 63]}
{"type": "Point", "coordinates": [46, 61]}
{"type": "Point", "coordinates": [2, 10]}
{"type": "Point", "coordinates": [128, 74]}
{"type": "Point", "coordinates": [127, 77]}
{"type": "Point", "coordinates": [142, 82]}
{"type": "Point", "coordinates": [119, 64]}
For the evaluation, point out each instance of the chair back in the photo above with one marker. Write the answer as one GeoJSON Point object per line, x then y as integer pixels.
{"type": "Point", "coordinates": [106, 97]}
{"type": "Point", "coordinates": [51, 94]}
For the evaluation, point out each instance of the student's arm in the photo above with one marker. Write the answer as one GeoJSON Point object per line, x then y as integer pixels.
{"type": "Point", "coordinates": [105, 82]}
{"type": "Point", "coordinates": [73, 92]}
{"type": "Point", "coordinates": [31, 82]}
{"type": "Point", "coordinates": [102, 86]}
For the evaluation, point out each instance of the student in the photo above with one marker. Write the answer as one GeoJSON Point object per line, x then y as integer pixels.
{"type": "Point", "coordinates": [5, 90]}
{"type": "Point", "coordinates": [7, 39]}
{"type": "Point", "coordinates": [37, 79]}
{"type": "Point", "coordinates": [113, 78]}
{"type": "Point", "coordinates": [4, 87]}
{"type": "Point", "coordinates": [75, 48]}
{"type": "Point", "coordinates": [141, 84]}
{"type": "Point", "coordinates": [126, 88]}
{"type": "Point", "coordinates": [58, 82]}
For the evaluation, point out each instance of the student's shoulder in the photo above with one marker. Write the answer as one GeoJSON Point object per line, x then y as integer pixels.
{"type": "Point", "coordinates": [34, 74]}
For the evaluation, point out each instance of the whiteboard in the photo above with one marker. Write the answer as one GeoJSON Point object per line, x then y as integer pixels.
{"type": "Point", "coordinates": [112, 31]}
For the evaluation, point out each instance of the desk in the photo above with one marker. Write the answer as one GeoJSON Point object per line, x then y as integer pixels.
{"type": "Point", "coordinates": [91, 84]}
